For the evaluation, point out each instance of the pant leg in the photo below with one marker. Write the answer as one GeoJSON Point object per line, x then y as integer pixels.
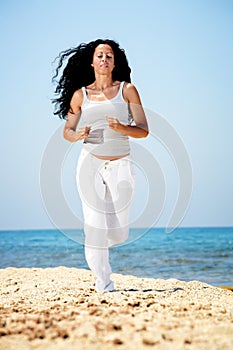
{"type": "Point", "coordinates": [120, 186]}
{"type": "Point", "coordinates": [92, 193]}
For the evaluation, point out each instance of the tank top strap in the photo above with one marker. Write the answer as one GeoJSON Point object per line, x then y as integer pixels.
{"type": "Point", "coordinates": [85, 100]}
{"type": "Point", "coordinates": [122, 85]}
{"type": "Point", "coordinates": [120, 93]}
{"type": "Point", "coordinates": [84, 92]}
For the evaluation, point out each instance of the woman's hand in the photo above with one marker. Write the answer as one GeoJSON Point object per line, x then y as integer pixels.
{"type": "Point", "coordinates": [73, 135]}
{"type": "Point", "coordinates": [137, 131]}
{"type": "Point", "coordinates": [114, 124]}
{"type": "Point", "coordinates": [83, 132]}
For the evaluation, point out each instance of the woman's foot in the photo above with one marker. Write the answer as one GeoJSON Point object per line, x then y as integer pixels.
{"type": "Point", "coordinates": [99, 287]}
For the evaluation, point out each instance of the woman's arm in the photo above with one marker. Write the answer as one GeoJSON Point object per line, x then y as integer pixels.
{"type": "Point", "coordinates": [139, 130]}
{"type": "Point", "coordinates": [70, 133]}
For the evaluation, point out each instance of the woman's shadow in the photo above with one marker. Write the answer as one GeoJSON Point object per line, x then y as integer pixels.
{"type": "Point", "coordinates": [171, 290]}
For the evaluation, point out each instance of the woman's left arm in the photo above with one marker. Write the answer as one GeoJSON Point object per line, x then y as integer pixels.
{"type": "Point", "coordinates": [140, 129]}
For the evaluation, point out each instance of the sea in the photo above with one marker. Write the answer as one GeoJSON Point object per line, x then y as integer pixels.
{"type": "Point", "coordinates": [204, 254]}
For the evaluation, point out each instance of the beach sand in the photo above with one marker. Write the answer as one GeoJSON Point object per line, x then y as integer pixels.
{"type": "Point", "coordinates": [58, 308]}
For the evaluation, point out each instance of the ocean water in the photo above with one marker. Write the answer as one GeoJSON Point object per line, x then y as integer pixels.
{"type": "Point", "coordinates": [204, 254]}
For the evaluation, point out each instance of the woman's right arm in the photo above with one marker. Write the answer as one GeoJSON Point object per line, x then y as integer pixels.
{"type": "Point", "coordinates": [70, 133]}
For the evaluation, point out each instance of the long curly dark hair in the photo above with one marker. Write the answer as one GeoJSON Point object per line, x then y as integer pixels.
{"type": "Point", "coordinates": [78, 71]}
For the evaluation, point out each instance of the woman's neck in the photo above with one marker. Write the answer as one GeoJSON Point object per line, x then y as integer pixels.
{"type": "Point", "coordinates": [102, 83]}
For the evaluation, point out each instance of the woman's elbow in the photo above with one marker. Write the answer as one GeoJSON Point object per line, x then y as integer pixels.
{"type": "Point", "coordinates": [65, 134]}
{"type": "Point", "coordinates": [144, 133]}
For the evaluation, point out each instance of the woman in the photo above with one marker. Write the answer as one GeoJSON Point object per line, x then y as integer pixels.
{"type": "Point", "coordinates": [102, 108]}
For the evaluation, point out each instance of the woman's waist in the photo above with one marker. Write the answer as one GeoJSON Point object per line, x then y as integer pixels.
{"type": "Point", "coordinates": [111, 157]}
{"type": "Point", "coordinates": [109, 149]}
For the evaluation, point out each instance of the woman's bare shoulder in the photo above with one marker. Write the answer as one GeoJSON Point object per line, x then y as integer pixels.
{"type": "Point", "coordinates": [78, 94]}
{"type": "Point", "coordinates": [130, 92]}
{"type": "Point", "coordinates": [76, 101]}
{"type": "Point", "coordinates": [129, 86]}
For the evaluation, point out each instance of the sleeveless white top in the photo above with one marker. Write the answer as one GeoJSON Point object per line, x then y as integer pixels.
{"type": "Point", "coordinates": [103, 141]}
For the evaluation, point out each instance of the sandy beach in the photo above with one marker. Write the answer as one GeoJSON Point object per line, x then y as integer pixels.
{"type": "Point", "coordinates": [58, 308]}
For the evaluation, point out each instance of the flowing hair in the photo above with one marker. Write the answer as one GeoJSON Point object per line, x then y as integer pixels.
{"type": "Point", "coordinates": [78, 71]}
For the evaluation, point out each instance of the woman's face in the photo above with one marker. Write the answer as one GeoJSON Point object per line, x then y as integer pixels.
{"type": "Point", "coordinates": [103, 59]}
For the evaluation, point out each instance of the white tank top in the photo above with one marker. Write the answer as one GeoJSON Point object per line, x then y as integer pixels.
{"type": "Point", "coordinates": [103, 141]}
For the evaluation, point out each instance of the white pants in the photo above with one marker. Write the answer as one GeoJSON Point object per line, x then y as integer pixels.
{"type": "Point", "coordinates": [106, 189]}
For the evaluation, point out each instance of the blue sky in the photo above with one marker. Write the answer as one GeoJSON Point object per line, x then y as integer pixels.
{"type": "Point", "coordinates": [181, 55]}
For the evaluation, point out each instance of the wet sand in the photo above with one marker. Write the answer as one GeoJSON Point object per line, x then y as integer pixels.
{"type": "Point", "coordinates": [58, 308]}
